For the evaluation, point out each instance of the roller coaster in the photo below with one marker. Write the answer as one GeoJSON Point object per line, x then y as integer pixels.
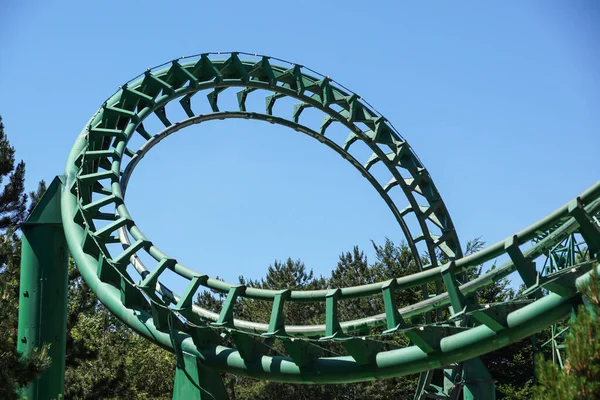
{"type": "Point", "coordinates": [84, 214]}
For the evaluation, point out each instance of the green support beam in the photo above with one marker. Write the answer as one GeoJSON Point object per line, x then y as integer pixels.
{"type": "Point", "coordinates": [194, 381]}
{"type": "Point", "coordinates": [43, 292]}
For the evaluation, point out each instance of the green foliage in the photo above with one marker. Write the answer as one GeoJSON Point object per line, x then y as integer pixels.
{"type": "Point", "coordinates": [512, 369]}
{"type": "Point", "coordinates": [353, 270]}
{"type": "Point", "coordinates": [36, 195]}
{"type": "Point", "coordinates": [105, 359]}
{"type": "Point", "coordinates": [284, 275]}
{"type": "Point", "coordinates": [392, 261]}
{"type": "Point", "coordinates": [580, 378]}
{"type": "Point", "coordinates": [13, 200]}
{"type": "Point", "coordinates": [15, 370]}
{"type": "Point", "coordinates": [514, 391]}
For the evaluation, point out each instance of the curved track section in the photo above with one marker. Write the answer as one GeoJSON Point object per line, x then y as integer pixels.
{"type": "Point", "coordinates": [105, 240]}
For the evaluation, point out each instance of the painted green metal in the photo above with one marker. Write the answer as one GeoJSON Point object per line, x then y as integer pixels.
{"type": "Point", "coordinates": [277, 323]}
{"type": "Point", "coordinates": [195, 381]}
{"type": "Point", "coordinates": [94, 216]}
{"type": "Point", "coordinates": [478, 383]}
{"type": "Point", "coordinates": [43, 292]}
{"type": "Point", "coordinates": [558, 275]}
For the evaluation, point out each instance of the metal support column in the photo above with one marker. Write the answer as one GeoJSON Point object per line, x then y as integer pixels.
{"type": "Point", "coordinates": [478, 383]}
{"type": "Point", "coordinates": [195, 381]}
{"type": "Point", "coordinates": [43, 292]}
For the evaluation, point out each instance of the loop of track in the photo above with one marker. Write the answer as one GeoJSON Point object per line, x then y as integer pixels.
{"type": "Point", "coordinates": [95, 216]}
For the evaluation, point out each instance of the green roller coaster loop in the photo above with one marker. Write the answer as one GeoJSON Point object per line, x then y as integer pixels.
{"type": "Point", "coordinates": [84, 214]}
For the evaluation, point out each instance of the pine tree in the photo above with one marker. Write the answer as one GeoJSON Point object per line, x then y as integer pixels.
{"type": "Point", "coordinates": [36, 195]}
{"type": "Point", "coordinates": [15, 371]}
{"type": "Point", "coordinates": [13, 200]}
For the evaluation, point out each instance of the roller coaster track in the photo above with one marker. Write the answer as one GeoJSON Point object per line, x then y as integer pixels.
{"type": "Point", "coordinates": [113, 254]}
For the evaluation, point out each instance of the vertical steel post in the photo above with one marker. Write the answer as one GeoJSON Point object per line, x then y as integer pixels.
{"type": "Point", "coordinates": [195, 381]}
{"type": "Point", "coordinates": [43, 292]}
{"type": "Point", "coordinates": [478, 383]}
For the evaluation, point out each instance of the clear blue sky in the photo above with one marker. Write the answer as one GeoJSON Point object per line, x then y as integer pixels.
{"type": "Point", "coordinates": [500, 99]}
